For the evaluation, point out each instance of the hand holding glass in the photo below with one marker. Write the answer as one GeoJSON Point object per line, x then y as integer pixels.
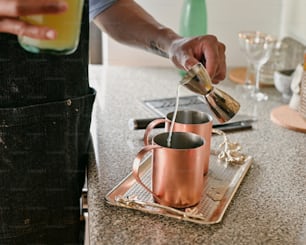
{"type": "Point", "coordinates": [66, 24]}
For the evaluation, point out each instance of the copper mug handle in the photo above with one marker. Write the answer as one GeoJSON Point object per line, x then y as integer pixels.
{"type": "Point", "coordinates": [138, 159]}
{"type": "Point", "coordinates": [149, 128]}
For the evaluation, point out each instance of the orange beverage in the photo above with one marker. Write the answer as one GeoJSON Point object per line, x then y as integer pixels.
{"type": "Point", "coordinates": [66, 24]}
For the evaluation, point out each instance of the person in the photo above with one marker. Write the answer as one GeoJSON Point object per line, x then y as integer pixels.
{"type": "Point", "coordinates": [128, 23]}
{"type": "Point", "coordinates": [46, 105]}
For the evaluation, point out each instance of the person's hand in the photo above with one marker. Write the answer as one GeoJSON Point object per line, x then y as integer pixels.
{"type": "Point", "coordinates": [186, 52]}
{"type": "Point", "coordinates": [11, 10]}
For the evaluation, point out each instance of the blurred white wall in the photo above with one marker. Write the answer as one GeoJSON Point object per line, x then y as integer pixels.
{"type": "Point", "coordinates": [166, 12]}
{"type": "Point", "coordinates": [294, 19]}
{"type": "Point", "coordinates": [225, 19]}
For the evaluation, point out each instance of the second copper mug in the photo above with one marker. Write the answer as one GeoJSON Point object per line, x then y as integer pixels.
{"type": "Point", "coordinates": [197, 122]}
{"type": "Point", "coordinates": [177, 179]}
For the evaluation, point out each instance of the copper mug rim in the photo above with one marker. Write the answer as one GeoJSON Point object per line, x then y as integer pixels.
{"type": "Point", "coordinates": [197, 117]}
{"type": "Point", "coordinates": [177, 140]}
{"type": "Point", "coordinates": [192, 117]}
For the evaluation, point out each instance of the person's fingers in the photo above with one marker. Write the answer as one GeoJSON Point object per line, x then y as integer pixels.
{"type": "Point", "coordinates": [11, 10]}
{"type": "Point", "coordinates": [187, 52]}
{"type": "Point", "coordinates": [190, 62]}
{"type": "Point", "coordinates": [220, 72]}
{"type": "Point", "coordinates": [211, 53]}
{"type": "Point", "coordinates": [14, 8]}
{"type": "Point", "coordinates": [214, 53]}
{"type": "Point", "coordinates": [18, 27]}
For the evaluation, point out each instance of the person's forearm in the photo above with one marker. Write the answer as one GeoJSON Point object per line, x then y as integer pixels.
{"type": "Point", "coordinates": [129, 24]}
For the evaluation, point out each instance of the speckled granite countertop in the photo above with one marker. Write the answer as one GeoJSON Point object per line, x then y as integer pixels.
{"type": "Point", "coordinates": [269, 206]}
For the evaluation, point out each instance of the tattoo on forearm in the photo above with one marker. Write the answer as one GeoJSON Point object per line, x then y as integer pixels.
{"type": "Point", "coordinates": [155, 49]}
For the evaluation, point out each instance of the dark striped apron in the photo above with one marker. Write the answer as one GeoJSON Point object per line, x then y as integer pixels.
{"type": "Point", "coordinates": [45, 114]}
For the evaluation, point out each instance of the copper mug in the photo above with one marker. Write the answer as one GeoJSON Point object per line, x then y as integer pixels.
{"type": "Point", "coordinates": [197, 122]}
{"type": "Point", "coordinates": [177, 179]}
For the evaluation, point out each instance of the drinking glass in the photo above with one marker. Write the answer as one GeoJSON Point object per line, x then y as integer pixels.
{"type": "Point", "coordinates": [67, 25]}
{"type": "Point", "coordinates": [247, 82]}
{"type": "Point", "coordinates": [257, 47]}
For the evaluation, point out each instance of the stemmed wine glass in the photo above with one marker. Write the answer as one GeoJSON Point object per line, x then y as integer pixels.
{"type": "Point", "coordinates": [257, 47]}
{"type": "Point", "coordinates": [247, 81]}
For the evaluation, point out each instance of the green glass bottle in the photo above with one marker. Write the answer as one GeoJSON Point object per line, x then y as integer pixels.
{"type": "Point", "coordinates": [193, 19]}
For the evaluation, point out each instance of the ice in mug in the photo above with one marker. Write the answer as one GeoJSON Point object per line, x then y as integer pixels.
{"type": "Point", "coordinates": [67, 25]}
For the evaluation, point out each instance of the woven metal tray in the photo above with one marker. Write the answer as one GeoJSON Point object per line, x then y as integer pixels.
{"type": "Point", "coordinates": [221, 183]}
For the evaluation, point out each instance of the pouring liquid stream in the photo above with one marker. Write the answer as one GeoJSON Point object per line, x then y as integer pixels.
{"type": "Point", "coordinates": [174, 115]}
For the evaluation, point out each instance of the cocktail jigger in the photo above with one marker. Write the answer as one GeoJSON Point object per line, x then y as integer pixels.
{"type": "Point", "coordinates": [221, 104]}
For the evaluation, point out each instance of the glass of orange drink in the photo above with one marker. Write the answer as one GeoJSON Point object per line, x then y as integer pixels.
{"type": "Point", "coordinates": [67, 25]}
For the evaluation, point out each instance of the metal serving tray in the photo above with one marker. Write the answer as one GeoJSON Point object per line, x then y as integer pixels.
{"type": "Point", "coordinates": [221, 183]}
